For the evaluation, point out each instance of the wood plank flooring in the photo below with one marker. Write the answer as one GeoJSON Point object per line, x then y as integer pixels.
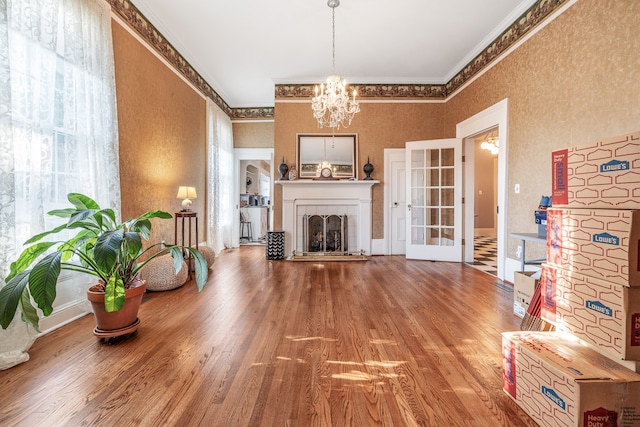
{"type": "Point", "coordinates": [384, 342]}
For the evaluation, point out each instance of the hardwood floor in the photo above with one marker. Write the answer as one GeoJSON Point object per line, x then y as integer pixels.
{"type": "Point", "coordinates": [385, 342]}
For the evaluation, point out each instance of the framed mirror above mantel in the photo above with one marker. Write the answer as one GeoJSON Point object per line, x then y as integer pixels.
{"type": "Point", "coordinates": [339, 150]}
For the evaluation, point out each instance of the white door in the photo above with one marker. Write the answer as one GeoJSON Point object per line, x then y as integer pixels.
{"type": "Point", "coordinates": [434, 190]}
{"type": "Point", "coordinates": [398, 200]}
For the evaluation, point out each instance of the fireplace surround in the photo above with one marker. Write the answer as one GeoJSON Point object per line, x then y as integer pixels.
{"type": "Point", "coordinates": [350, 199]}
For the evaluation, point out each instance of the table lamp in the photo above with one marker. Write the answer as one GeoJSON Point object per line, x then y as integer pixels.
{"type": "Point", "coordinates": [186, 193]}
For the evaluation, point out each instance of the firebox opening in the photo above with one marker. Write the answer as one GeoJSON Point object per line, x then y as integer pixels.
{"type": "Point", "coordinates": [326, 234]}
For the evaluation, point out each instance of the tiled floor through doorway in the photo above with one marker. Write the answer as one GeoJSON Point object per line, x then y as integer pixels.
{"type": "Point", "coordinates": [485, 255]}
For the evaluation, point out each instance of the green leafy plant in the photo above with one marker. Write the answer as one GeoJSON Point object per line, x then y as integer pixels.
{"type": "Point", "coordinates": [101, 247]}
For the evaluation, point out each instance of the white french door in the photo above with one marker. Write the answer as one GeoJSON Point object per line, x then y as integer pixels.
{"type": "Point", "coordinates": [434, 192]}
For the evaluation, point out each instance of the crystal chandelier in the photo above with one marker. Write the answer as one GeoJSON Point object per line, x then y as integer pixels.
{"type": "Point", "coordinates": [491, 143]}
{"type": "Point", "coordinates": [332, 105]}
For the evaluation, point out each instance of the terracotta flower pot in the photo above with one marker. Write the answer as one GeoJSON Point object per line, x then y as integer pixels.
{"type": "Point", "coordinates": [121, 319]}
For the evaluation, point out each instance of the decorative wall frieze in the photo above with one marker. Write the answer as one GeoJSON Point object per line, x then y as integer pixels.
{"type": "Point", "coordinates": [423, 91]}
{"type": "Point", "coordinates": [537, 13]}
{"type": "Point", "coordinates": [252, 113]}
{"type": "Point", "coordinates": [137, 21]}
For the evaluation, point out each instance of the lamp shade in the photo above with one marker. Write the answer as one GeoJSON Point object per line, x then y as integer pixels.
{"type": "Point", "coordinates": [185, 192]}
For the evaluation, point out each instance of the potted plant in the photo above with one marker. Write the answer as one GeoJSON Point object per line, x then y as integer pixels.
{"type": "Point", "coordinates": [99, 246]}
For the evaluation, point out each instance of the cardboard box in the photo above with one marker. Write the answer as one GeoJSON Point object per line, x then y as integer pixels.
{"type": "Point", "coordinates": [600, 243]}
{"type": "Point", "coordinates": [523, 287]}
{"type": "Point", "coordinates": [601, 313]}
{"type": "Point", "coordinates": [558, 382]}
{"type": "Point", "coordinates": [602, 174]}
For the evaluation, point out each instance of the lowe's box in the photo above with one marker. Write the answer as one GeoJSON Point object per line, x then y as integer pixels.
{"type": "Point", "coordinates": [601, 313]}
{"type": "Point", "coordinates": [524, 283]}
{"type": "Point", "coordinates": [559, 382]}
{"type": "Point", "coordinates": [601, 174]}
{"type": "Point", "coordinates": [600, 243]}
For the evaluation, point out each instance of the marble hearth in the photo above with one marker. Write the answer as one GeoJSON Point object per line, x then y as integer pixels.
{"type": "Point", "coordinates": [309, 197]}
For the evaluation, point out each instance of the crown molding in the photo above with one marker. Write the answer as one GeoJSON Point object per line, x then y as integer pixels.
{"type": "Point", "coordinates": [535, 15]}
{"type": "Point", "coordinates": [139, 23]}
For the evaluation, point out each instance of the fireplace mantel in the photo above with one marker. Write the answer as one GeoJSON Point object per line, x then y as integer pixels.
{"type": "Point", "coordinates": [339, 197]}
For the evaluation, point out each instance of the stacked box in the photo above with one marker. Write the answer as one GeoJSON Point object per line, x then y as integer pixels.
{"type": "Point", "coordinates": [599, 312]}
{"type": "Point", "coordinates": [523, 287]}
{"type": "Point", "coordinates": [603, 174]}
{"type": "Point", "coordinates": [600, 243]}
{"type": "Point", "coordinates": [562, 383]}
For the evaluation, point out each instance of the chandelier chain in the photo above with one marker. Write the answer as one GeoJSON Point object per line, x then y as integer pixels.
{"type": "Point", "coordinates": [331, 104]}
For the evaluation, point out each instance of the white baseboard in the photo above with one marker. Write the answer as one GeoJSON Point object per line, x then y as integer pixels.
{"type": "Point", "coordinates": [63, 315]}
{"type": "Point", "coordinates": [377, 247]}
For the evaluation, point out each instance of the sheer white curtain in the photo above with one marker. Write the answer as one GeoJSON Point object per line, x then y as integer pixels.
{"type": "Point", "coordinates": [221, 175]}
{"type": "Point", "coordinates": [58, 122]}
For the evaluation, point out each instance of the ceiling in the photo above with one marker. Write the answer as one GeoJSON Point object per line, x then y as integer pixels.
{"type": "Point", "coordinates": [242, 48]}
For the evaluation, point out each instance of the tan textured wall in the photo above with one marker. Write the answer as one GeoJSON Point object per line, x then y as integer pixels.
{"type": "Point", "coordinates": [484, 178]}
{"type": "Point", "coordinates": [575, 81]}
{"type": "Point", "coordinates": [162, 129]}
{"type": "Point", "coordinates": [378, 125]}
{"type": "Point", "coordinates": [253, 135]}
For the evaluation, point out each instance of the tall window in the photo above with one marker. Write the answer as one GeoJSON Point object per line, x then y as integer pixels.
{"type": "Point", "coordinates": [58, 122]}
{"type": "Point", "coordinates": [221, 178]}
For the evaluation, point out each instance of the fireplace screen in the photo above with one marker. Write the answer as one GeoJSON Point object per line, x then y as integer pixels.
{"type": "Point", "coordinates": [325, 234]}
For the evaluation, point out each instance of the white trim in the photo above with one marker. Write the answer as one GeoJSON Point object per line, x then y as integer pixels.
{"type": "Point", "coordinates": [387, 193]}
{"type": "Point", "coordinates": [496, 115]}
{"type": "Point", "coordinates": [378, 246]}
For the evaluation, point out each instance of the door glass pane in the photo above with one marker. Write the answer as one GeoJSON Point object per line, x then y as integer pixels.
{"type": "Point", "coordinates": [417, 216]}
{"type": "Point", "coordinates": [433, 236]}
{"type": "Point", "coordinates": [433, 216]}
{"type": "Point", "coordinates": [448, 178]}
{"type": "Point", "coordinates": [447, 197]}
{"type": "Point", "coordinates": [448, 157]}
{"type": "Point", "coordinates": [433, 158]}
{"type": "Point", "coordinates": [447, 217]}
{"type": "Point", "coordinates": [432, 197]}
{"type": "Point", "coordinates": [447, 237]}
{"type": "Point", "coordinates": [434, 177]}
{"type": "Point", "coordinates": [417, 197]}
{"type": "Point", "coordinates": [417, 158]}
{"type": "Point", "coordinates": [417, 178]}
{"type": "Point", "coordinates": [417, 235]}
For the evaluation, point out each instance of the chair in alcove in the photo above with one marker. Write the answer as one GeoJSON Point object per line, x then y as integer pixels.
{"type": "Point", "coordinates": [246, 232]}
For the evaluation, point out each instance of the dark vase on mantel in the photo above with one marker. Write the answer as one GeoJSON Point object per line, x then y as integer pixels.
{"type": "Point", "coordinates": [368, 169]}
{"type": "Point", "coordinates": [283, 169]}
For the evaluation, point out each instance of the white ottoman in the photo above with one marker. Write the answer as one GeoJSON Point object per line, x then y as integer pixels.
{"type": "Point", "coordinates": [208, 254]}
{"type": "Point", "coordinates": [161, 275]}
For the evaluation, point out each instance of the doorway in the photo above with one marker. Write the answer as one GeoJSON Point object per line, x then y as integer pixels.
{"type": "Point", "coordinates": [485, 165]}
{"type": "Point", "coordinates": [253, 190]}
{"type": "Point", "coordinates": [494, 117]}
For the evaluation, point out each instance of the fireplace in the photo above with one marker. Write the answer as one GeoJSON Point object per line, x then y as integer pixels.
{"type": "Point", "coordinates": [325, 234]}
{"type": "Point", "coordinates": [347, 203]}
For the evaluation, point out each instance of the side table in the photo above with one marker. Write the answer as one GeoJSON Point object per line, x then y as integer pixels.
{"type": "Point", "coordinates": [186, 215]}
